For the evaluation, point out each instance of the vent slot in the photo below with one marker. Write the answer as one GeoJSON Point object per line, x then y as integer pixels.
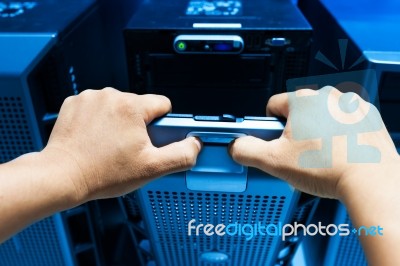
{"type": "Point", "coordinates": [36, 245]}
{"type": "Point", "coordinates": [15, 136]}
{"type": "Point", "coordinates": [304, 211]}
{"type": "Point", "coordinates": [350, 251]}
{"type": "Point", "coordinates": [253, 41]}
{"type": "Point", "coordinates": [172, 211]}
{"type": "Point", "coordinates": [296, 65]}
{"type": "Point", "coordinates": [131, 206]}
{"type": "Point", "coordinates": [79, 229]}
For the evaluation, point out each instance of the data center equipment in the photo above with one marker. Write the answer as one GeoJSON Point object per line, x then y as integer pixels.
{"type": "Point", "coordinates": [215, 191]}
{"type": "Point", "coordinates": [369, 32]}
{"type": "Point", "coordinates": [335, 249]}
{"type": "Point", "coordinates": [348, 251]}
{"type": "Point", "coordinates": [50, 50]}
{"type": "Point", "coordinates": [214, 57]}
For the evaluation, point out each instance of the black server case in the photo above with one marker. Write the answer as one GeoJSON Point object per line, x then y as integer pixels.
{"type": "Point", "coordinates": [50, 50]}
{"type": "Point", "coordinates": [212, 58]}
{"type": "Point", "coordinates": [275, 37]}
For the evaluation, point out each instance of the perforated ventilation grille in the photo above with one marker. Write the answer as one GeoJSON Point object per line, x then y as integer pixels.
{"type": "Point", "coordinates": [302, 213]}
{"type": "Point", "coordinates": [171, 212]}
{"type": "Point", "coordinates": [131, 205]}
{"type": "Point", "coordinates": [37, 245]}
{"type": "Point", "coordinates": [296, 65]}
{"type": "Point", "coordinates": [15, 136]}
{"type": "Point", "coordinates": [350, 251]}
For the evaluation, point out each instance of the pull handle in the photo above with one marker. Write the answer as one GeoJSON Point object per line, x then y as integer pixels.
{"type": "Point", "coordinates": [215, 170]}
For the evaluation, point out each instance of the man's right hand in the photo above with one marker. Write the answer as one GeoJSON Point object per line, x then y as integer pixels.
{"type": "Point", "coordinates": [281, 157]}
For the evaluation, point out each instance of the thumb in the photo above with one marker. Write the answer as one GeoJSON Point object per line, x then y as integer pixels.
{"type": "Point", "coordinates": [177, 156]}
{"type": "Point", "coordinates": [268, 156]}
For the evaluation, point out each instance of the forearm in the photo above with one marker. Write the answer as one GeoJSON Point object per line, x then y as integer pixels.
{"type": "Point", "coordinates": [99, 148]}
{"type": "Point", "coordinates": [32, 187]}
{"type": "Point", "coordinates": [377, 203]}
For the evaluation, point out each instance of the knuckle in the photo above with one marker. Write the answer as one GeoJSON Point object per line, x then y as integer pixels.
{"type": "Point", "coordinates": [69, 100]}
{"type": "Point", "coordinates": [109, 90]}
{"type": "Point", "coordinates": [272, 98]}
{"type": "Point", "coordinates": [188, 158]}
{"type": "Point", "coordinates": [337, 93]}
{"type": "Point", "coordinates": [353, 94]}
{"type": "Point", "coordinates": [326, 90]}
{"type": "Point", "coordinates": [86, 94]}
{"type": "Point", "coordinates": [334, 89]}
{"type": "Point", "coordinates": [307, 92]}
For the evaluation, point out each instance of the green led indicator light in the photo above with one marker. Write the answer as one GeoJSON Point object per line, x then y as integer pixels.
{"type": "Point", "coordinates": [181, 46]}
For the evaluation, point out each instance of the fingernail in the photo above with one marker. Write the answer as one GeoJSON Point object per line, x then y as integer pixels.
{"type": "Point", "coordinates": [230, 145]}
{"type": "Point", "coordinates": [198, 142]}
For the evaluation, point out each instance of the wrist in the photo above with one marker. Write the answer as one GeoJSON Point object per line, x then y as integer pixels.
{"type": "Point", "coordinates": [34, 186]}
{"type": "Point", "coordinates": [67, 175]}
{"type": "Point", "coordinates": [367, 179]}
{"type": "Point", "coordinates": [370, 194]}
{"type": "Point", "coordinates": [370, 186]}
